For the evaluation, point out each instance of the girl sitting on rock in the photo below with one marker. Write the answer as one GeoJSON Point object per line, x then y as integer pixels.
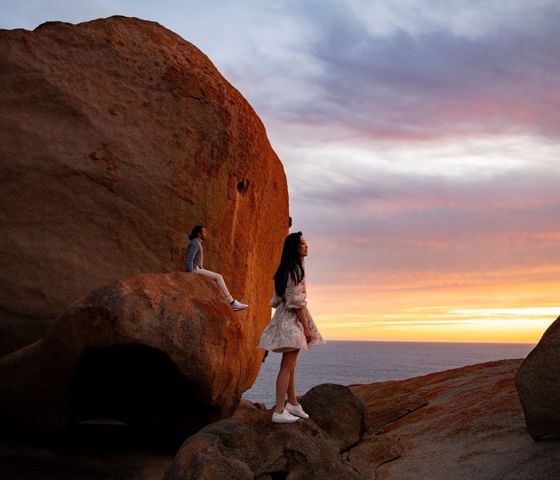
{"type": "Point", "coordinates": [193, 263]}
{"type": "Point", "coordinates": [291, 328]}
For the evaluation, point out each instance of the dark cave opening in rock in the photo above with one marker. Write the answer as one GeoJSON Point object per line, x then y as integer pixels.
{"type": "Point", "coordinates": [139, 386]}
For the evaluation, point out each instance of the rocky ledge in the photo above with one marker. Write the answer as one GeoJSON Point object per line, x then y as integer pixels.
{"type": "Point", "coordinates": [465, 423]}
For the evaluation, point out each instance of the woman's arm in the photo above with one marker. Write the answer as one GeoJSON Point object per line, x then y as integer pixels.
{"type": "Point", "coordinates": [302, 317]}
{"type": "Point", "coordinates": [295, 300]}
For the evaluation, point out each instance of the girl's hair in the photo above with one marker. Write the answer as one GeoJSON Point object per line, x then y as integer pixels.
{"type": "Point", "coordinates": [290, 264]}
{"type": "Point", "coordinates": [195, 231]}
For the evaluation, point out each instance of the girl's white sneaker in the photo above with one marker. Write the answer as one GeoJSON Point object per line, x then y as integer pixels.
{"type": "Point", "coordinates": [296, 410]}
{"type": "Point", "coordinates": [284, 417]}
{"type": "Point", "coordinates": [238, 306]}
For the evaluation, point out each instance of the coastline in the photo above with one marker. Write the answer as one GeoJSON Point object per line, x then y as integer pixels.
{"type": "Point", "coordinates": [348, 362]}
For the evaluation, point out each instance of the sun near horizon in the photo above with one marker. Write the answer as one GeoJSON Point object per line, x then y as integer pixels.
{"type": "Point", "coordinates": [502, 314]}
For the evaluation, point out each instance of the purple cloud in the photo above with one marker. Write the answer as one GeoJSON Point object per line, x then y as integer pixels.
{"type": "Point", "coordinates": [408, 86]}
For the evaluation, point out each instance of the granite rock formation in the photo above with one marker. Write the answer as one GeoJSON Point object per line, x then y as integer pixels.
{"type": "Point", "coordinates": [159, 352]}
{"type": "Point", "coordinates": [116, 138]}
{"type": "Point", "coordinates": [249, 446]}
{"type": "Point", "coordinates": [538, 385]}
{"type": "Point", "coordinates": [458, 424]}
{"type": "Point", "coordinates": [465, 423]}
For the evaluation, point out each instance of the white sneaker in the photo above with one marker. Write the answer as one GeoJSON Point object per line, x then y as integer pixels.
{"type": "Point", "coordinates": [238, 306]}
{"type": "Point", "coordinates": [284, 417]}
{"type": "Point", "coordinates": [296, 410]}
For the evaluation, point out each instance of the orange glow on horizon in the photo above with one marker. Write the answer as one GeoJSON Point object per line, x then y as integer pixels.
{"type": "Point", "coordinates": [476, 313]}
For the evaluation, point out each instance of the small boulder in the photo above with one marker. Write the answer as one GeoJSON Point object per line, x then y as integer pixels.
{"type": "Point", "coordinates": [337, 411]}
{"type": "Point", "coordinates": [538, 385]}
{"type": "Point", "coordinates": [159, 352]}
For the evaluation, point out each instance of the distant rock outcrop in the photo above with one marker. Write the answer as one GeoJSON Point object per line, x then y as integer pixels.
{"type": "Point", "coordinates": [117, 137]}
{"type": "Point", "coordinates": [538, 385]}
{"type": "Point", "coordinates": [162, 353]}
{"type": "Point", "coordinates": [249, 446]}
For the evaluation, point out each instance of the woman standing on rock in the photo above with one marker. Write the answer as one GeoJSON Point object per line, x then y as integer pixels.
{"type": "Point", "coordinates": [291, 328]}
{"type": "Point", "coordinates": [193, 263]}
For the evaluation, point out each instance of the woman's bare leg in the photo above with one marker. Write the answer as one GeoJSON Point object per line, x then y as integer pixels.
{"type": "Point", "coordinates": [292, 397]}
{"type": "Point", "coordinates": [283, 380]}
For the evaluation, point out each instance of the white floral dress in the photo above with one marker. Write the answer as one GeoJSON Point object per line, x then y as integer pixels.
{"type": "Point", "coordinates": [285, 331]}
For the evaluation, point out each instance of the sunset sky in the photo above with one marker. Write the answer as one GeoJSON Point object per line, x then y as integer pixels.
{"type": "Point", "coordinates": [421, 140]}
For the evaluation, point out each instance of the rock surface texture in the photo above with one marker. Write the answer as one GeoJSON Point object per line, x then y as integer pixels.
{"type": "Point", "coordinates": [159, 352]}
{"type": "Point", "coordinates": [465, 423]}
{"type": "Point", "coordinates": [249, 446]}
{"type": "Point", "coordinates": [116, 138]}
{"type": "Point", "coordinates": [460, 424]}
{"type": "Point", "coordinates": [538, 385]}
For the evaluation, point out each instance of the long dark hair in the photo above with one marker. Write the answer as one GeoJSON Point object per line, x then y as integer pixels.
{"type": "Point", "coordinates": [195, 232]}
{"type": "Point", "coordinates": [290, 264]}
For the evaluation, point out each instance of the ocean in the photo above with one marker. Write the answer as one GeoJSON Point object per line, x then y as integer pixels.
{"type": "Point", "coordinates": [347, 363]}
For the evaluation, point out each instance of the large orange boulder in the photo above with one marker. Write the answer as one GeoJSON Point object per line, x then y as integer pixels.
{"type": "Point", "coordinates": [160, 352]}
{"type": "Point", "coordinates": [116, 138]}
{"type": "Point", "coordinates": [538, 385]}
